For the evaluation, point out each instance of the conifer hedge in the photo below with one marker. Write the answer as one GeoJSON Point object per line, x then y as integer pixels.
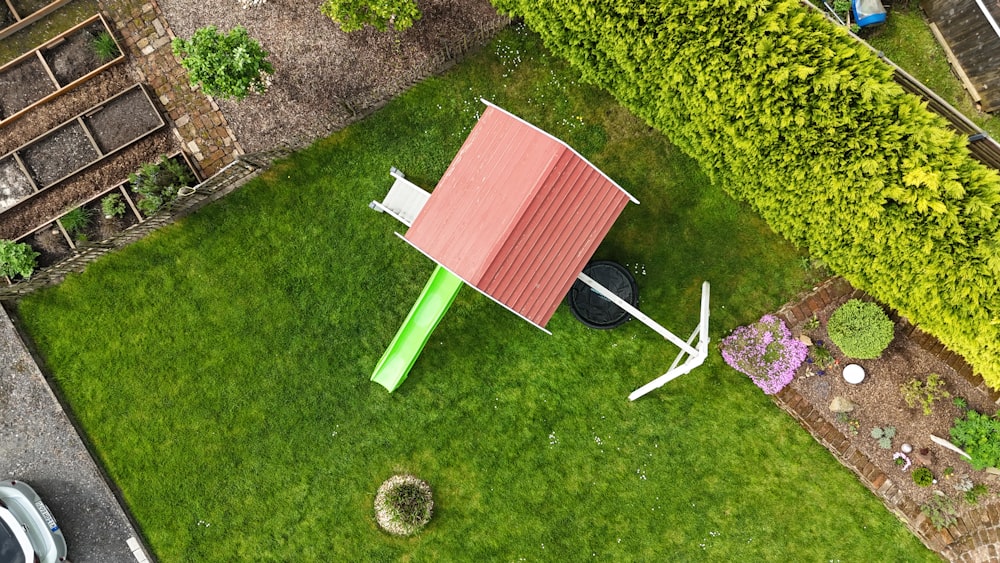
{"type": "Point", "coordinates": [806, 125]}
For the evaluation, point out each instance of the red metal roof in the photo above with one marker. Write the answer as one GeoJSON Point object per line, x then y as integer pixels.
{"type": "Point", "coordinates": [517, 215]}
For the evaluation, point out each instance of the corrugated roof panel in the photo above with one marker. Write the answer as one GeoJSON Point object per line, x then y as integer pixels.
{"type": "Point", "coordinates": [482, 193]}
{"type": "Point", "coordinates": [517, 214]}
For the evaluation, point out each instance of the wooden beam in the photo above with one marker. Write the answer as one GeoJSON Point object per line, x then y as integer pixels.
{"type": "Point", "coordinates": [955, 65]}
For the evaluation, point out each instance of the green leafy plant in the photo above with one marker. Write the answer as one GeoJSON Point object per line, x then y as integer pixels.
{"type": "Point", "coordinates": [76, 221]}
{"type": "Point", "coordinates": [353, 15]}
{"type": "Point", "coordinates": [976, 493]}
{"type": "Point", "coordinates": [853, 424]}
{"type": "Point", "coordinates": [159, 182]}
{"type": "Point", "coordinates": [821, 356]}
{"type": "Point", "coordinates": [861, 329]}
{"type": "Point", "coordinates": [940, 510]}
{"type": "Point", "coordinates": [105, 47]}
{"type": "Point", "coordinates": [837, 186]}
{"type": "Point", "coordinates": [884, 436]}
{"type": "Point", "coordinates": [960, 402]}
{"type": "Point", "coordinates": [228, 65]}
{"type": "Point", "coordinates": [948, 472]}
{"type": "Point", "coordinates": [403, 505]}
{"type": "Point", "coordinates": [923, 477]}
{"type": "Point", "coordinates": [979, 436]}
{"type": "Point", "coordinates": [924, 393]}
{"type": "Point", "coordinates": [811, 324]}
{"type": "Point", "coordinates": [17, 259]}
{"type": "Point", "coordinates": [113, 205]}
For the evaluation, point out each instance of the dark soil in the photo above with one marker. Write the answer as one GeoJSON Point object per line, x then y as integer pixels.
{"type": "Point", "coordinates": [42, 207]}
{"type": "Point", "coordinates": [50, 243]}
{"type": "Point", "coordinates": [22, 85]}
{"type": "Point", "coordinates": [880, 403]}
{"type": "Point", "coordinates": [102, 228]}
{"type": "Point", "coordinates": [14, 183]}
{"type": "Point", "coordinates": [66, 106]}
{"type": "Point", "coordinates": [58, 154]}
{"type": "Point", "coordinates": [123, 120]}
{"type": "Point", "coordinates": [6, 18]}
{"type": "Point", "coordinates": [27, 7]}
{"type": "Point", "coordinates": [74, 57]}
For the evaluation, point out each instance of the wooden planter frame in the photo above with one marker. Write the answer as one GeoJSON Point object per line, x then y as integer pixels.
{"type": "Point", "coordinates": [122, 188]}
{"type": "Point", "coordinates": [60, 88]}
{"type": "Point", "coordinates": [21, 22]}
{"type": "Point", "coordinates": [79, 120]}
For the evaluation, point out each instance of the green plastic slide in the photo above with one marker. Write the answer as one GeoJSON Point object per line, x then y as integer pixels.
{"type": "Point", "coordinates": [430, 307]}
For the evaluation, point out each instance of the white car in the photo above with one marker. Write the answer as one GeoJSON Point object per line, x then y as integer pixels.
{"type": "Point", "coordinates": [28, 532]}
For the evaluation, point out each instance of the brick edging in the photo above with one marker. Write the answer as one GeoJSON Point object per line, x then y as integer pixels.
{"type": "Point", "coordinates": [976, 534]}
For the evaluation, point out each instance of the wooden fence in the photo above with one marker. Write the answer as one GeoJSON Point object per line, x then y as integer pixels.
{"type": "Point", "coordinates": [983, 147]}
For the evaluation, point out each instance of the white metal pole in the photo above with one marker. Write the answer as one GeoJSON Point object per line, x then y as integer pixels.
{"type": "Point", "coordinates": [607, 293]}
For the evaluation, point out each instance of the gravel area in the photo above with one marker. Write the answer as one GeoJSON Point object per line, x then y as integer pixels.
{"type": "Point", "coordinates": [319, 69]}
{"type": "Point", "coordinates": [40, 446]}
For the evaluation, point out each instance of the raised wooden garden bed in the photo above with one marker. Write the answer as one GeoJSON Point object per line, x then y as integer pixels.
{"type": "Point", "coordinates": [76, 144]}
{"type": "Point", "coordinates": [101, 228]}
{"type": "Point", "coordinates": [17, 15]}
{"type": "Point", "coordinates": [61, 64]}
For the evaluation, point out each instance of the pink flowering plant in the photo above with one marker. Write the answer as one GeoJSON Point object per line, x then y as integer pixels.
{"type": "Point", "coordinates": [766, 352]}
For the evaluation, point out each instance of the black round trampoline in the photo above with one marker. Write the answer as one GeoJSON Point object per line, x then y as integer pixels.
{"type": "Point", "coordinates": [595, 310]}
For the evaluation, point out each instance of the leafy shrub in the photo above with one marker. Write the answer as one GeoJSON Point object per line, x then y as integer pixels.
{"type": "Point", "coordinates": [76, 221]}
{"type": "Point", "coordinates": [158, 183]}
{"type": "Point", "coordinates": [853, 424]}
{"type": "Point", "coordinates": [860, 329]}
{"type": "Point", "coordinates": [229, 65]}
{"type": "Point", "coordinates": [105, 47]}
{"type": "Point", "coordinates": [766, 352]}
{"type": "Point", "coordinates": [979, 436]}
{"type": "Point", "coordinates": [791, 115]}
{"type": "Point", "coordinates": [403, 505]}
{"type": "Point", "coordinates": [976, 493]}
{"type": "Point", "coordinates": [925, 393]}
{"type": "Point", "coordinates": [940, 510]}
{"type": "Point", "coordinates": [923, 477]}
{"type": "Point", "coordinates": [884, 436]}
{"type": "Point", "coordinates": [113, 205]}
{"type": "Point", "coordinates": [353, 15]}
{"type": "Point", "coordinates": [17, 259]}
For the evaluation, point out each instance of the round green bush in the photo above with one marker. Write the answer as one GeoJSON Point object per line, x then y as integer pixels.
{"type": "Point", "coordinates": [403, 505]}
{"type": "Point", "coordinates": [860, 329]}
{"type": "Point", "coordinates": [923, 477]}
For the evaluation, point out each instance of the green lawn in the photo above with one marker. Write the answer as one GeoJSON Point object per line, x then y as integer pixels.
{"type": "Point", "coordinates": [220, 367]}
{"type": "Point", "coordinates": [907, 40]}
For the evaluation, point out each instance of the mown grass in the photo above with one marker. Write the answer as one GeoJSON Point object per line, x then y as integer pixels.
{"type": "Point", "coordinates": [220, 367]}
{"type": "Point", "coordinates": [907, 40]}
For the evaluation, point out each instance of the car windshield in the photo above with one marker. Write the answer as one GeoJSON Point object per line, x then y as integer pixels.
{"type": "Point", "coordinates": [10, 549]}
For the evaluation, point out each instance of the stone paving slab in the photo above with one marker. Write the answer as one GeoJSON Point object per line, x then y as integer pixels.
{"type": "Point", "coordinates": [976, 536]}
{"type": "Point", "coordinates": [197, 121]}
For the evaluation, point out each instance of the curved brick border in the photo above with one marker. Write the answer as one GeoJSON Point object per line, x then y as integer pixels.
{"type": "Point", "coordinates": [976, 535]}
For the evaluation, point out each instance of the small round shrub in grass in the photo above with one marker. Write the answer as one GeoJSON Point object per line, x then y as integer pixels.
{"type": "Point", "coordinates": [923, 477]}
{"type": "Point", "coordinates": [403, 505]}
{"type": "Point", "coordinates": [860, 329]}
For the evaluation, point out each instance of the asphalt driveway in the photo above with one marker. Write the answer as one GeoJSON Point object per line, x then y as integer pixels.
{"type": "Point", "coordinates": [40, 446]}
